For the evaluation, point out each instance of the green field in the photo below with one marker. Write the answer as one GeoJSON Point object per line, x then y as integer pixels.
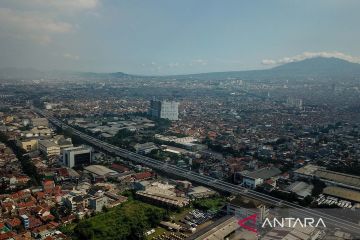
{"type": "Point", "coordinates": [127, 221]}
{"type": "Point", "coordinates": [132, 219]}
{"type": "Point", "coordinates": [213, 204]}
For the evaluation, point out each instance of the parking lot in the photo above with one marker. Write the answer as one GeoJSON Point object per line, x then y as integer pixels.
{"type": "Point", "coordinates": [190, 221]}
{"type": "Point", "coordinates": [332, 201]}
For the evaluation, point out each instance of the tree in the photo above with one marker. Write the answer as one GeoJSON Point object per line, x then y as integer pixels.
{"type": "Point", "coordinates": [318, 187]}
{"type": "Point", "coordinates": [105, 209]}
{"type": "Point", "coordinates": [55, 213]}
{"type": "Point", "coordinates": [84, 230]}
{"type": "Point", "coordinates": [306, 201]}
{"type": "Point", "coordinates": [124, 133]}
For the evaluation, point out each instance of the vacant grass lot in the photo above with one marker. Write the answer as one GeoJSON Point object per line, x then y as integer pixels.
{"type": "Point", "coordinates": [128, 221]}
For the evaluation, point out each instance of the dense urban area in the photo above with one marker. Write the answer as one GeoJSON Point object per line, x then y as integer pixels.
{"type": "Point", "coordinates": [295, 139]}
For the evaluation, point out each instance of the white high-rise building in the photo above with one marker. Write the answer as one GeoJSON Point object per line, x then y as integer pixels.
{"type": "Point", "coordinates": [164, 109]}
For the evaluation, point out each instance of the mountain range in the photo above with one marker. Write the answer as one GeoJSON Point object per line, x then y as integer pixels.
{"type": "Point", "coordinates": [314, 68]}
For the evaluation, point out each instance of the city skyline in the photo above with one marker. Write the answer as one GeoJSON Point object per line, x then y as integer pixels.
{"type": "Point", "coordinates": [179, 120]}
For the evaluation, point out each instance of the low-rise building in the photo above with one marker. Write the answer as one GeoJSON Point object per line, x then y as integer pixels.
{"type": "Point", "coordinates": [49, 148]}
{"type": "Point", "coordinates": [201, 192]}
{"type": "Point", "coordinates": [301, 189]}
{"type": "Point", "coordinates": [28, 144]}
{"type": "Point", "coordinates": [62, 141]}
{"type": "Point", "coordinates": [145, 148]}
{"type": "Point", "coordinates": [36, 132]}
{"type": "Point", "coordinates": [306, 172]}
{"type": "Point", "coordinates": [257, 177]}
{"type": "Point", "coordinates": [100, 171]}
{"type": "Point", "coordinates": [298, 233]}
{"type": "Point", "coordinates": [221, 230]}
{"type": "Point", "coordinates": [162, 194]}
{"type": "Point", "coordinates": [243, 207]}
{"type": "Point", "coordinates": [73, 202]}
{"type": "Point", "coordinates": [98, 203]}
{"type": "Point", "coordinates": [48, 185]}
{"type": "Point", "coordinates": [39, 122]}
{"type": "Point", "coordinates": [328, 177]}
{"type": "Point", "coordinates": [343, 193]}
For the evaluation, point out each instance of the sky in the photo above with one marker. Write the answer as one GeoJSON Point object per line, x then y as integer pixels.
{"type": "Point", "coordinates": [161, 37]}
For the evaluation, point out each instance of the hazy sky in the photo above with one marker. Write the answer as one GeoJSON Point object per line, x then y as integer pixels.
{"type": "Point", "coordinates": [174, 36]}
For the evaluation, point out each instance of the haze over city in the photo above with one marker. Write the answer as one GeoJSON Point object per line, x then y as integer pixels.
{"type": "Point", "coordinates": [179, 120]}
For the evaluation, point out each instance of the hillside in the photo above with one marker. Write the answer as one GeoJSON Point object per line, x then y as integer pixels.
{"type": "Point", "coordinates": [314, 68]}
{"type": "Point", "coordinates": [319, 68]}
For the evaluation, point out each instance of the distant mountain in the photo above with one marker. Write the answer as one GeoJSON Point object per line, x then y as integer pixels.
{"type": "Point", "coordinates": [318, 68]}
{"type": "Point", "coordinates": [32, 74]}
{"type": "Point", "coordinates": [313, 69]}
{"type": "Point", "coordinates": [21, 73]}
{"type": "Point", "coordinates": [102, 75]}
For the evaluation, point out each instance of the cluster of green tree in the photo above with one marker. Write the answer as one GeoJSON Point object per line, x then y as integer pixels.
{"type": "Point", "coordinates": [125, 222]}
{"type": "Point", "coordinates": [123, 138]}
{"type": "Point", "coordinates": [318, 187]}
{"type": "Point", "coordinates": [161, 155]}
{"type": "Point", "coordinates": [124, 133]}
{"type": "Point", "coordinates": [291, 197]}
{"type": "Point", "coordinates": [54, 211]}
{"type": "Point", "coordinates": [161, 124]}
{"type": "Point", "coordinates": [352, 168]}
{"type": "Point", "coordinates": [25, 128]}
{"type": "Point", "coordinates": [26, 163]}
{"type": "Point", "coordinates": [69, 133]}
{"type": "Point", "coordinates": [3, 138]}
{"type": "Point", "coordinates": [214, 204]}
{"type": "Point", "coordinates": [130, 194]}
